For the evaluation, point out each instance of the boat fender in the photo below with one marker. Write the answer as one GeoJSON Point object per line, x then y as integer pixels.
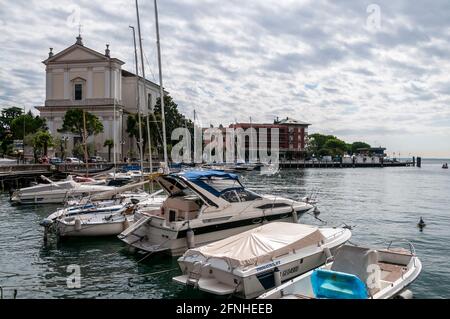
{"type": "Point", "coordinates": [294, 216]}
{"type": "Point", "coordinates": [277, 276]}
{"type": "Point", "coordinates": [77, 224]}
{"type": "Point", "coordinates": [405, 294]}
{"type": "Point", "coordinates": [125, 224]}
{"type": "Point", "coordinates": [190, 238]}
{"type": "Point", "coordinates": [327, 252]}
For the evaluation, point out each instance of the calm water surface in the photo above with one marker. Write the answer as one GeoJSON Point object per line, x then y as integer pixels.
{"type": "Point", "coordinates": [381, 203]}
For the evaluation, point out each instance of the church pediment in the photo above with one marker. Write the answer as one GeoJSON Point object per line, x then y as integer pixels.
{"type": "Point", "coordinates": [76, 53]}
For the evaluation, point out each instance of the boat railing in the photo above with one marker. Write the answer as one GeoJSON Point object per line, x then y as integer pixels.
{"type": "Point", "coordinates": [336, 234]}
{"type": "Point", "coordinates": [412, 249]}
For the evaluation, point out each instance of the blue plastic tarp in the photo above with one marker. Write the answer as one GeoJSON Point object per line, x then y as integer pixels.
{"type": "Point", "coordinates": [337, 285]}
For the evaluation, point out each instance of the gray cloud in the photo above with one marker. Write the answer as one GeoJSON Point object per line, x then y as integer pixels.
{"type": "Point", "coordinates": [313, 60]}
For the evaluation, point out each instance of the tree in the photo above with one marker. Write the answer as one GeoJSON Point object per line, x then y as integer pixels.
{"type": "Point", "coordinates": [7, 115]}
{"type": "Point", "coordinates": [109, 144]}
{"type": "Point", "coordinates": [356, 145]}
{"type": "Point", "coordinates": [28, 124]}
{"type": "Point", "coordinates": [76, 121]}
{"type": "Point", "coordinates": [73, 123]}
{"type": "Point", "coordinates": [174, 119]}
{"type": "Point", "coordinates": [335, 147]}
{"type": "Point", "coordinates": [133, 130]}
{"type": "Point", "coordinates": [42, 140]}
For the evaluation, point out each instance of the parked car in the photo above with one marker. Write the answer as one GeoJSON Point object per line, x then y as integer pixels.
{"type": "Point", "coordinates": [43, 160]}
{"type": "Point", "coordinates": [96, 159]}
{"type": "Point", "coordinates": [56, 161]}
{"type": "Point", "coordinates": [73, 160]}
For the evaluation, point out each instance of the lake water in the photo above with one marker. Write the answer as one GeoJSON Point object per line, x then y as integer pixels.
{"type": "Point", "coordinates": [381, 203]}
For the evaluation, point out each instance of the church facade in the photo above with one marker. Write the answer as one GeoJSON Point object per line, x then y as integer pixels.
{"type": "Point", "coordinates": [82, 78]}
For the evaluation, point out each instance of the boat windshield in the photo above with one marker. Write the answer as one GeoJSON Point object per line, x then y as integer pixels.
{"type": "Point", "coordinates": [239, 195]}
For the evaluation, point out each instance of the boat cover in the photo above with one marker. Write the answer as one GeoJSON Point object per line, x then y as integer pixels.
{"type": "Point", "coordinates": [261, 244]}
{"type": "Point", "coordinates": [195, 175]}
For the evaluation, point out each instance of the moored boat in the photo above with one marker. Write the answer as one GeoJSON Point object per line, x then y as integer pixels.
{"type": "Point", "coordinates": [210, 204]}
{"type": "Point", "coordinates": [356, 273]}
{"type": "Point", "coordinates": [248, 264]}
{"type": "Point", "coordinates": [56, 192]}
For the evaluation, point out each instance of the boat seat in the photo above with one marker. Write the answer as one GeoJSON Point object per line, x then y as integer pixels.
{"type": "Point", "coordinates": [391, 272]}
{"type": "Point", "coordinates": [180, 204]}
{"type": "Point", "coordinates": [356, 261]}
{"type": "Point", "coordinates": [179, 208]}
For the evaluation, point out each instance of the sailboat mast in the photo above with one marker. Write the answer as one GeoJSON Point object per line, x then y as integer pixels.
{"type": "Point", "coordinates": [85, 143]}
{"type": "Point", "coordinates": [145, 93]}
{"type": "Point", "coordinates": [138, 105]}
{"type": "Point", "coordinates": [161, 89]}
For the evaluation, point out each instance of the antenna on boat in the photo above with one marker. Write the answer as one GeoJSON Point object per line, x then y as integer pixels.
{"type": "Point", "coordinates": [145, 95]}
{"type": "Point", "coordinates": [138, 105]}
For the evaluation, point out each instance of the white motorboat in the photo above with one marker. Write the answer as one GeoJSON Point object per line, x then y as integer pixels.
{"type": "Point", "coordinates": [100, 217]}
{"type": "Point", "coordinates": [356, 273]}
{"type": "Point", "coordinates": [56, 192]}
{"type": "Point", "coordinates": [210, 204]}
{"type": "Point", "coordinates": [98, 220]}
{"type": "Point", "coordinates": [250, 263]}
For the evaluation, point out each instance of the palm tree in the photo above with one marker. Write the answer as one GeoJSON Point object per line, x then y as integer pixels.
{"type": "Point", "coordinates": [109, 144]}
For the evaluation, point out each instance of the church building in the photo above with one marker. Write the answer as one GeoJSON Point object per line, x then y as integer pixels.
{"type": "Point", "coordinates": [82, 78]}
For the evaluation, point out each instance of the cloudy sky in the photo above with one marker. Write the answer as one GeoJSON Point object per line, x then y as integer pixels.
{"type": "Point", "coordinates": [362, 70]}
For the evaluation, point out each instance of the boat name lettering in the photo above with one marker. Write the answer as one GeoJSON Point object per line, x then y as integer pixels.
{"type": "Point", "coordinates": [266, 266]}
{"type": "Point", "coordinates": [289, 271]}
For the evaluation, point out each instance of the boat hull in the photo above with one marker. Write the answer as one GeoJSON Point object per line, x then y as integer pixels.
{"type": "Point", "coordinates": [92, 229]}
{"type": "Point", "coordinates": [173, 242]}
{"type": "Point", "coordinates": [51, 197]}
{"type": "Point", "coordinates": [216, 280]}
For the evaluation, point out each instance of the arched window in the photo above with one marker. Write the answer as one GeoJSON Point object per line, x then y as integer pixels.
{"type": "Point", "coordinates": [78, 89]}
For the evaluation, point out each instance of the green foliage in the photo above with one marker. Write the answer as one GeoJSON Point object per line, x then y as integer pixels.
{"type": "Point", "coordinates": [109, 144]}
{"type": "Point", "coordinates": [356, 145]}
{"type": "Point", "coordinates": [78, 151]}
{"type": "Point", "coordinates": [42, 140]}
{"type": "Point", "coordinates": [330, 145]}
{"type": "Point", "coordinates": [73, 123]}
{"type": "Point", "coordinates": [27, 123]}
{"type": "Point", "coordinates": [7, 115]}
{"type": "Point", "coordinates": [133, 130]}
{"type": "Point", "coordinates": [335, 147]}
{"type": "Point", "coordinates": [174, 119]}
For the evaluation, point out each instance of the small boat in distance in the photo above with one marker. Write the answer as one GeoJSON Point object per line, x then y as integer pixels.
{"type": "Point", "coordinates": [445, 166]}
{"type": "Point", "coordinates": [356, 273]}
{"type": "Point", "coordinates": [248, 264]}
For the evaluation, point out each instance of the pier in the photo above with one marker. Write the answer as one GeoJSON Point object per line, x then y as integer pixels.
{"type": "Point", "coordinates": [336, 164]}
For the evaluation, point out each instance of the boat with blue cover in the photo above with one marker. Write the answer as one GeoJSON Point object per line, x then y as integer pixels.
{"type": "Point", "coordinates": [205, 206]}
